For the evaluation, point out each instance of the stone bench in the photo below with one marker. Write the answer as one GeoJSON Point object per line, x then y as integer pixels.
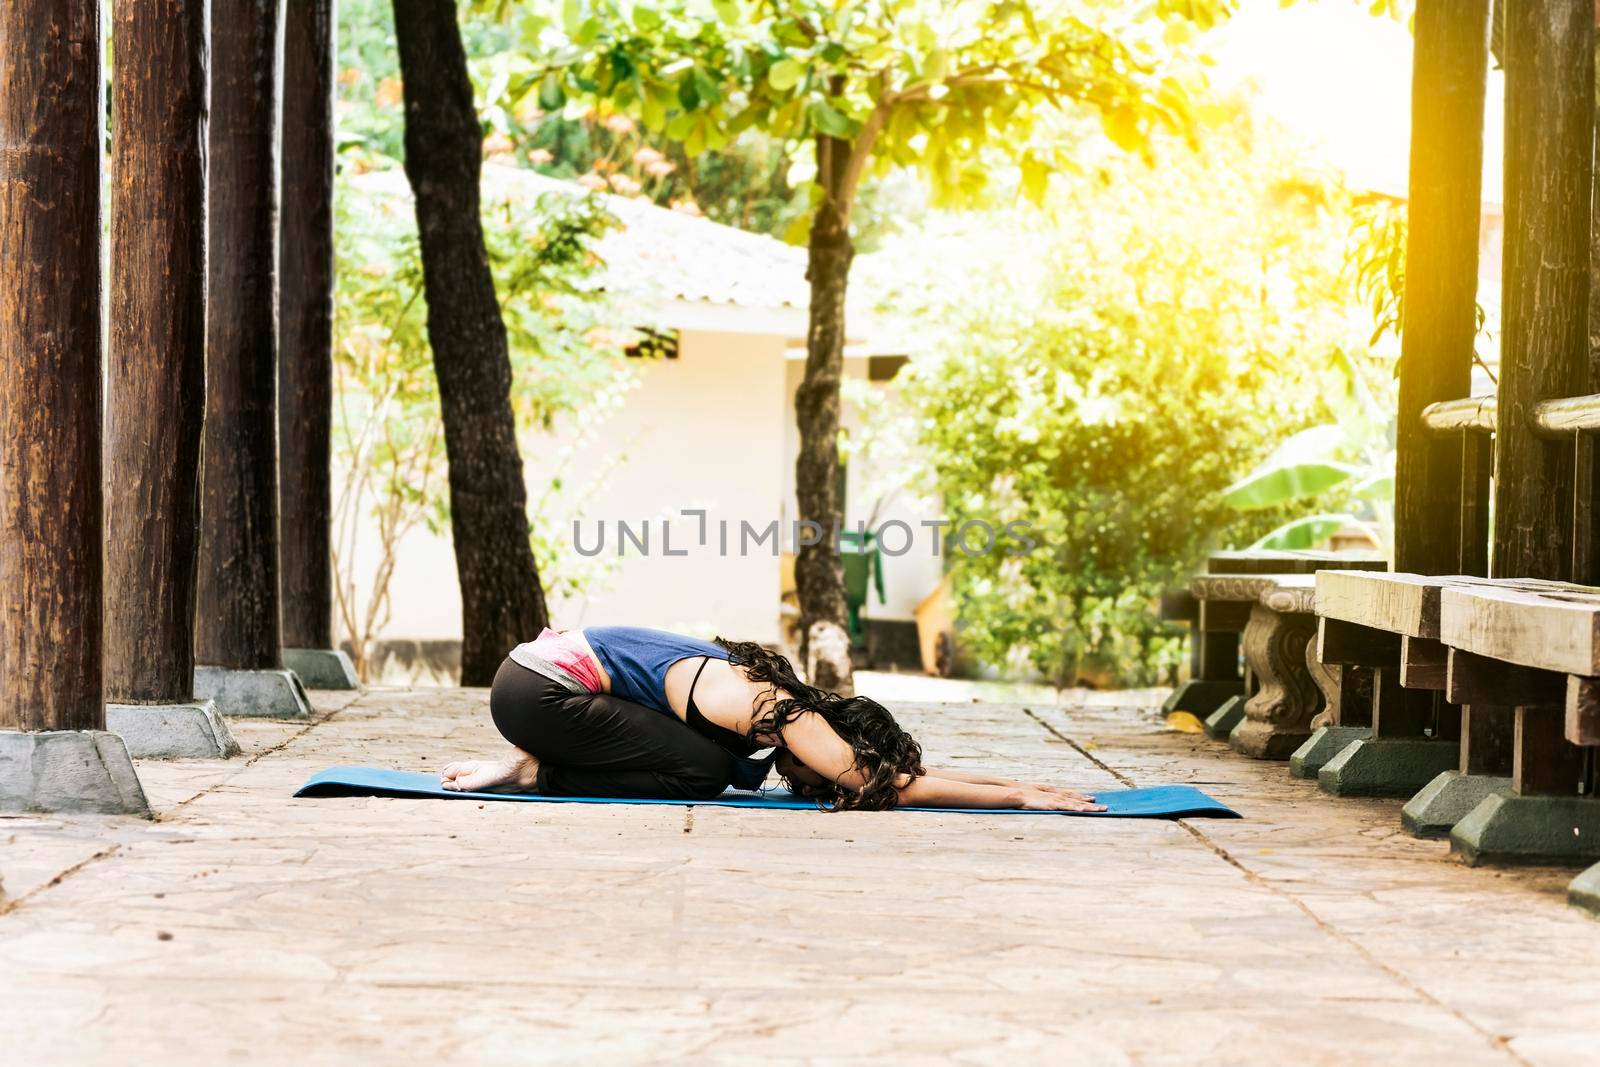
{"type": "Point", "coordinates": [1273, 715]}
{"type": "Point", "coordinates": [1213, 663]}
{"type": "Point", "coordinates": [1215, 678]}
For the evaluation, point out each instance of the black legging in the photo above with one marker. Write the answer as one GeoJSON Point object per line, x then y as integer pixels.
{"type": "Point", "coordinates": [599, 745]}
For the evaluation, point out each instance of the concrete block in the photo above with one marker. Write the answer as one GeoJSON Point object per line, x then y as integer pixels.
{"type": "Point", "coordinates": [1584, 892]}
{"type": "Point", "coordinates": [1265, 740]}
{"type": "Point", "coordinates": [74, 771]}
{"type": "Point", "coordinates": [1506, 829]}
{"type": "Point", "coordinates": [1387, 766]}
{"type": "Point", "coordinates": [1200, 697]}
{"type": "Point", "coordinates": [322, 668]}
{"type": "Point", "coordinates": [270, 694]}
{"type": "Point", "coordinates": [1322, 746]}
{"type": "Point", "coordinates": [1220, 723]}
{"type": "Point", "coordinates": [191, 730]}
{"type": "Point", "coordinates": [1446, 800]}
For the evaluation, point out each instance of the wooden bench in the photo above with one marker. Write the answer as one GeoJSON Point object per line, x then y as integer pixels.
{"type": "Point", "coordinates": [1482, 689]}
{"type": "Point", "coordinates": [1384, 628]}
{"type": "Point", "coordinates": [1535, 647]}
{"type": "Point", "coordinates": [1390, 625]}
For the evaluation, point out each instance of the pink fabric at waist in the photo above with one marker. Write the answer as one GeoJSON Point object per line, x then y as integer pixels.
{"type": "Point", "coordinates": [570, 656]}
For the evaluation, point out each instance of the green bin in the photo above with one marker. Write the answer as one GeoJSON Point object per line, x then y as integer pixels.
{"type": "Point", "coordinates": [863, 564]}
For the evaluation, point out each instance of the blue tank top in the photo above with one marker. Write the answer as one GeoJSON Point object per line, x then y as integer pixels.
{"type": "Point", "coordinates": [637, 659]}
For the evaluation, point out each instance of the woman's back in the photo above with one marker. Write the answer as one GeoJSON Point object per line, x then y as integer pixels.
{"type": "Point", "coordinates": [638, 660]}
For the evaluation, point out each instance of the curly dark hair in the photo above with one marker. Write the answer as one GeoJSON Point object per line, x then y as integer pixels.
{"type": "Point", "coordinates": [883, 751]}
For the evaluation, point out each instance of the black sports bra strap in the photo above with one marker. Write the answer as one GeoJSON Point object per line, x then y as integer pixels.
{"type": "Point", "coordinates": [731, 740]}
{"type": "Point", "coordinates": [703, 661]}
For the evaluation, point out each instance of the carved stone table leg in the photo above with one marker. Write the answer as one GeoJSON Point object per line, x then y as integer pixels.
{"type": "Point", "coordinates": [1277, 719]}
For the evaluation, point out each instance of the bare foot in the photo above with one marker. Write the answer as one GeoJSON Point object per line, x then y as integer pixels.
{"type": "Point", "coordinates": [517, 772]}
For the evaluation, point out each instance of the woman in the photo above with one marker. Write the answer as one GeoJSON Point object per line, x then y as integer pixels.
{"type": "Point", "coordinates": [622, 711]}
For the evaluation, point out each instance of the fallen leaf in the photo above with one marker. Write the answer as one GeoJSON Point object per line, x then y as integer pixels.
{"type": "Point", "coordinates": [1185, 723]}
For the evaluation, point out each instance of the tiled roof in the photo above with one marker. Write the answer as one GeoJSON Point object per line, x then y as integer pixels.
{"type": "Point", "coordinates": [658, 253]}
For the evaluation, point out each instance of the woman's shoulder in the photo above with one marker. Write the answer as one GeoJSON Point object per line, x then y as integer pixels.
{"type": "Point", "coordinates": [648, 637]}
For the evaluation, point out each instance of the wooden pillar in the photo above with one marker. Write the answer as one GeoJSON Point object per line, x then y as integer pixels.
{"type": "Point", "coordinates": [1586, 560]}
{"type": "Point", "coordinates": [237, 622]}
{"type": "Point", "coordinates": [1450, 64]}
{"type": "Point", "coordinates": [50, 365]}
{"type": "Point", "coordinates": [305, 324]}
{"type": "Point", "coordinates": [1549, 61]}
{"type": "Point", "coordinates": [156, 402]}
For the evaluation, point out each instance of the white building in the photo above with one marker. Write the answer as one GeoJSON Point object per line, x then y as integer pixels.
{"type": "Point", "coordinates": [710, 428]}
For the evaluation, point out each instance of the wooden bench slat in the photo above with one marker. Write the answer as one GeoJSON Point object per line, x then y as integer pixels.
{"type": "Point", "coordinates": [1473, 679]}
{"type": "Point", "coordinates": [1551, 629]}
{"type": "Point", "coordinates": [1273, 561]}
{"type": "Point", "coordinates": [1405, 603]}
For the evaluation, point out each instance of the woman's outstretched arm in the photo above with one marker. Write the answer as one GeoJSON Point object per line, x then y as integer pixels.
{"type": "Point", "coordinates": [929, 791]}
{"type": "Point", "coordinates": [989, 779]}
{"type": "Point", "coordinates": [815, 744]}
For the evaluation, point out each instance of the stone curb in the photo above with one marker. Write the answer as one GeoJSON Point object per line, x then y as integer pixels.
{"type": "Point", "coordinates": [68, 771]}
{"type": "Point", "coordinates": [263, 694]}
{"type": "Point", "coordinates": [190, 730]}
{"type": "Point", "coordinates": [322, 668]}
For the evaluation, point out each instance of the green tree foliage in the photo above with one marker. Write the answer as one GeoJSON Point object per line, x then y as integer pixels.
{"type": "Point", "coordinates": [745, 185]}
{"type": "Point", "coordinates": [389, 457]}
{"type": "Point", "coordinates": [923, 84]}
{"type": "Point", "coordinates": [939, 87]}
{"type": "Point", "coordinates": [1107, 372]}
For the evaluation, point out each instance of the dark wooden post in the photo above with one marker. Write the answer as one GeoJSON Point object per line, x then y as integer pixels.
{"type": "Point", "coordinates": [1450, 64]}
{"type": "Point", "coordinates": [501, 598]}
{"type": "Point", "coordinates": [305, 376]}
{"type": "Point", "coordinates": [50, 364]}
{"type": "Point", "coordinates": [158, 337]}
{"type": "Point", "coordinates": [1549, 61]}
{"type": "Point", "coordinates": [237, 617]}
{"type": "Point", "coordinates": [1586, 558]}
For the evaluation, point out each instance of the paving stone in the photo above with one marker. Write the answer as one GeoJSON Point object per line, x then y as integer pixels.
{"type": "Point", "coordinates": [244, 926]}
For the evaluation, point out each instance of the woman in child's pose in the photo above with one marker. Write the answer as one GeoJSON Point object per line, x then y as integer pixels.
{"type": "Point", "coordinates": [622, 711]}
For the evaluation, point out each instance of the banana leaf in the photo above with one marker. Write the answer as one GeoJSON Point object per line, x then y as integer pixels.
{"type": "Point", "coordinates": [1306, 532]}
{"type": "Point", "coordinates": [1279, 483]}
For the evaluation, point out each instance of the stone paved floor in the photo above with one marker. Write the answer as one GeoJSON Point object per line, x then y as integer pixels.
{"type": "Point", "coordinates": [243, 926]}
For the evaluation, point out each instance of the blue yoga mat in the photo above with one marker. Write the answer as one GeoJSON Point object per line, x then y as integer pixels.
{"type": "Point", "coordinates": [1156, 802]}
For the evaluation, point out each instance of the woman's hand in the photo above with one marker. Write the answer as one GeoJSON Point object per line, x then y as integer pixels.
{"type": "Point", "coordinates": [1037, 798]}
{"type": "Point", "coordinates": [1070, 794]}
{"type": "Point", "coordinates": [517, 772]}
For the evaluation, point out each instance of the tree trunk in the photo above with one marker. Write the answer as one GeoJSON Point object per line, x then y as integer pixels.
{"type": "Point", "coordinates": [1594, 313]}
{"type": "Point", "coordinates": [502, 602]}
{"type": "Point", "coordinates": [237, 616]}
{"type": "Point", "coordinates": [157, 383]}
{"type": "Point", "coordinates": [1449, 69]}
{"type": "Point", "coordinates": [305, 317]}
{"type": "Point", "coordinates": [819, 576]}
{"type": "Point", "coordinates": [1549, 61]}
{"type": "Point", "coordinates": [50, 366]}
